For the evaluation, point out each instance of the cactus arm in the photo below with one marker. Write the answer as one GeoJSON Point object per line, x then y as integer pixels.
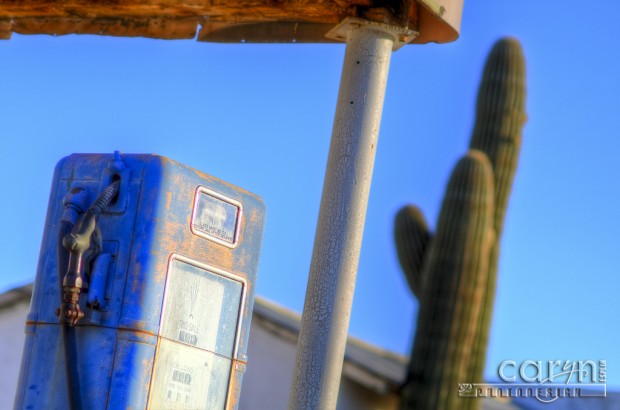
{"type": "Point", "coordinates": [412, 238]}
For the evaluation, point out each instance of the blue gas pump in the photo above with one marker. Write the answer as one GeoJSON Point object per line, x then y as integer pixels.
{"type": "Point", "coordinates": [144, 288]}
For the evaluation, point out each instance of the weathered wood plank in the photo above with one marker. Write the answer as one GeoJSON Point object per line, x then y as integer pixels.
{"type": "Point", "coordinates": [218, 20]}
{"type": "Point", "coordinates": [220, 10]}
{"type": "Point", "coordinates": [167, 19]}
{"type": "Point", "coordinates": [151, 27]}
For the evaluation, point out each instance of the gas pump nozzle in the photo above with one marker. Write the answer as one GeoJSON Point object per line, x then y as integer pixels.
{"type": "Point", "coordinates": [78, 243]}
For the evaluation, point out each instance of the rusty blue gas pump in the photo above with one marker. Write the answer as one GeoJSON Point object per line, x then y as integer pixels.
{"type": "Point", "coordinates": [144, 288]}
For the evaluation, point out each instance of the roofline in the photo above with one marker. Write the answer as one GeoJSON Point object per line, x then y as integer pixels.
{"type": "Point", "coordinates": [16, 295]}
{"type": "Point", "coordinates": [373, 367]}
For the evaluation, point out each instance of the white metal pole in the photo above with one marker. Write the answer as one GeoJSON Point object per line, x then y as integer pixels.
{"type": "Point", "coordinates": [329, 296]}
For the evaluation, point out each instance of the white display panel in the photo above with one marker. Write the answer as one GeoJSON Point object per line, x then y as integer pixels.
{"type": "Point", "coordinates": [198, 336]}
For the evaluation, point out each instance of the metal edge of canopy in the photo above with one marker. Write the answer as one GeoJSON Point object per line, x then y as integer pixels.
{"type": "Point", "coordinates": [440, 21]}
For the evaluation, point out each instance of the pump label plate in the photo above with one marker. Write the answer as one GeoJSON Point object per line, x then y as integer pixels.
{"type": "Point", "coordinates": [216, 217]}
{"type": "Point", "coordinates": [198, 336]}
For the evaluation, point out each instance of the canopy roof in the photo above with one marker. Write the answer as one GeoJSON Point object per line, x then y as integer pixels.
{"type": "Point", "coordinates": [267, 21]}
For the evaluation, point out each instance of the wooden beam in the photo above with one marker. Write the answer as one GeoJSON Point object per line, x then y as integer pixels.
{"type": "Point", "coordinates": [217, 20]}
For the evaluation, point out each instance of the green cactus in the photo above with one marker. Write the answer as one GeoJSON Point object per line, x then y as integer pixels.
{"type": "Point", "coordinates": [455, 270]}
{"type": "Point", "coordinates": [500, 115]}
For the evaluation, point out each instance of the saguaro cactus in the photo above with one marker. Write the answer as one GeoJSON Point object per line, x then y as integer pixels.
{"type": "Point", "coordinates": [455, 274]}
{"type": "Point", "coordinates": [500, 115]}
{"type": "Point", "coordinates": [456, 303]}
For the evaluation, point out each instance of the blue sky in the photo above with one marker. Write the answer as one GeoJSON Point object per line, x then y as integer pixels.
{"type": "Point", "coordinates": [260, 117]}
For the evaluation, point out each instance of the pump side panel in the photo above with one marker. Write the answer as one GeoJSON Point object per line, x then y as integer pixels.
{"type": "Point", "coordinates": [43, 380]}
